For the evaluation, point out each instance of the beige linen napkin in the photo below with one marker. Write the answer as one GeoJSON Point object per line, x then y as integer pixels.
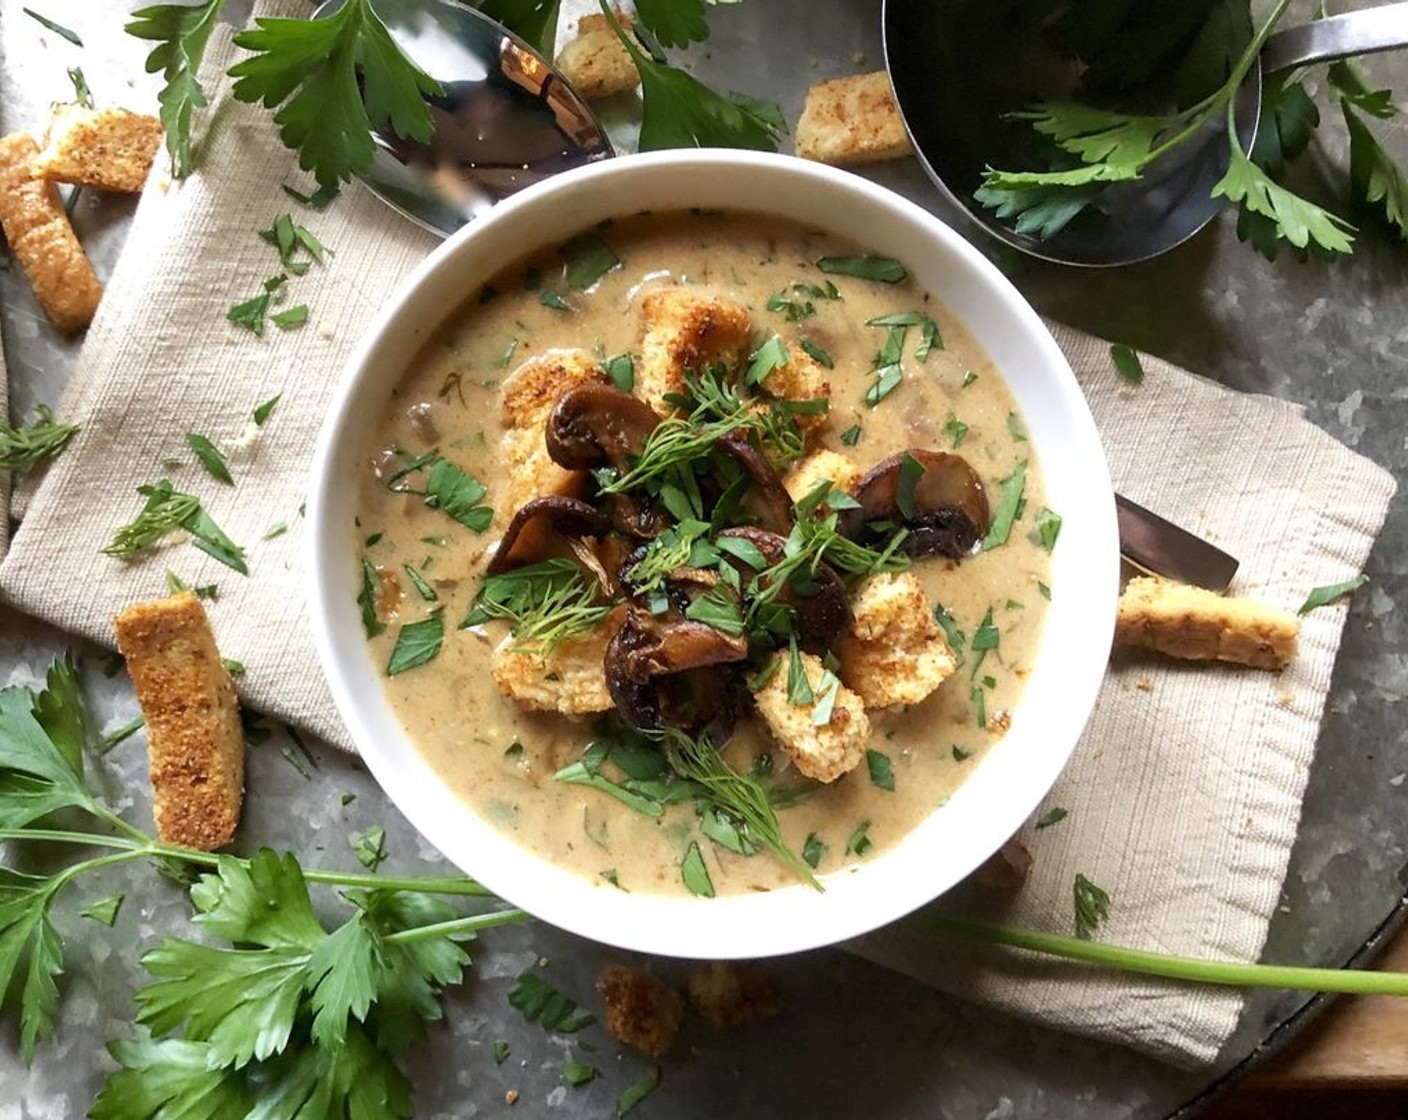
{"type": "Point", "coordinates": [1183, 797]}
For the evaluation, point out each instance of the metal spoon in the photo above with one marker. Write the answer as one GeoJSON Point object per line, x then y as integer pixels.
{"type": "Point", "coordinates": [507, 119]}
{"type": "Point", "coordinates": [959, 65]}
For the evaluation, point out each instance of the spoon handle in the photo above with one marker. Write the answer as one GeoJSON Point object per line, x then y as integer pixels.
{"type": "Point", "coordinates": [1384, 28]}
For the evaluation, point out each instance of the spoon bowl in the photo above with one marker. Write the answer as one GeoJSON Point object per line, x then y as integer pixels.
{"type": "Point", "coordinates": [506, 120]}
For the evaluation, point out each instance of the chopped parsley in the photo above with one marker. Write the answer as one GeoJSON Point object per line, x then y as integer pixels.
{"type": "Point", "coordinates": [851, 436]}
{"type": "Point", "coordinates": [1051, 816]}
{"type": "Point", "coordinates": [883, 270]}
{"type": "Point", "coordinates": [1127, 363]}
{"type": "Point", "coordinates": [817, 353]}
{"type": "Point", "coordinates": [1331, 593]}
{"type": "Point", "coordinates": [588, 258]}
{"type": "Point", "coordinates": [370, 847]}
{"type": "Point", "coordinates": [813, 850]}
{"type": "Point", "coordinates": [541, 1003]}
{"type": "Point", "coordinates": [1048, 528]}
{"type": "Point", "coordinates": [882, 772]}
{"type": "Point", "coordinates": [210, 458]}
{"type": "Point", "coordinates": [263, 411]}
{"type": "Point", "coordinates": [1092, 906]}
{"type": "Point", "coordinates": [694, 872]}
{"type": "Point", "coordinates": [859, 842]}
{"type": "Point", "coordinates": [1009, 507]}
{"type": "Point", "coordinates": [417, 643]}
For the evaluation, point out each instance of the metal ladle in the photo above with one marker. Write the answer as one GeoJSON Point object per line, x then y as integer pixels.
{"type": "Point", "coordinates": [959, 65]}
{"type": "Point", "coordinates": [505, 121]}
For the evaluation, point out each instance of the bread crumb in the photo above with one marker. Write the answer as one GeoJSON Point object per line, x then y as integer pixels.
{"type": "Point", "coordinates": [641, 1010]}
{"type": "Point", "coordinates": [728, 994]}
{"type": "Point", "coordinates": [511, 1096]}
{"type": "Point", "coordinates": [1144, 684]}
{"type": "Point", "coordinates": [1198, 625]}
{"type": "Point", "coordinates": [852, 120]}
{"type": "Point", "coordinates": [193, 721]}
{"type": "Point", "coordinates": [42, 239]}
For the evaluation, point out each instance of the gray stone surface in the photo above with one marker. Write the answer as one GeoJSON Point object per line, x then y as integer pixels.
{"type": "Point", "coordinates": [853, 1037]}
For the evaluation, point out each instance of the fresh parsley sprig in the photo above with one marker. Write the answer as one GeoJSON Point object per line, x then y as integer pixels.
{"type": "Point", "coordinates": [284, 1001]}
{"type": "Point", "coordinates": [334, 78]}
{"type": "Point", "coordinates": [1112, 147]}
{"type": "Point", "coordinates": [181, 33]}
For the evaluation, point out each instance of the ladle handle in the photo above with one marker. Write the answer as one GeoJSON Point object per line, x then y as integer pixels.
{"type": "Point", "coordinates": [1384, 28]}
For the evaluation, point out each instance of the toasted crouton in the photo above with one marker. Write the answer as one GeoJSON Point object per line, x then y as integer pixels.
{"type": "Point", "coordinates": [852, 120]}
{"type": "Point", "coordinates": [110, 149]}
{"type": "Point", "coordinates": [841, 471]}
{"type": "Point", "coordinates": [803, 378]}
{"type": "Point", "coordinates": [193, 720]}
{"type": "Point", "coordinates": [1198, 625]}
{"type": "Point", "coordinates": [825, 752]}
{"type": "Point", "coordinates": [570, 679]}
{"type": "Point", "coordinates": [641, 1010]}
{"type": "Point", "coordinates": [686, 328]}
{"type": "Point", "coordinates": [526, 398]}
{"type": "Point", "coordinates": [595, 63]}
{"type": "Point", "coordinates": [895, 652]}
{"type": "Point", "coordinates": [729, 994]}
{"type": "Point", "coordinates": [42, 240]}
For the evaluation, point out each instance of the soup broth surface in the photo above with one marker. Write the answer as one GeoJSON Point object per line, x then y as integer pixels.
{"type": "Point", "coordinates": [502, 760]}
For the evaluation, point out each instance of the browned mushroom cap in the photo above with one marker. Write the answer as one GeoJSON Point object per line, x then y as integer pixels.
{"type": "Point", "coordinates": [529, 534]}
{"type": "Point", "coordinates": [948, 507]}
{"type": "Point", "coordinates": [665, 672]}
{"type": "Point", "coordinates": [819, 602]}
{"type": "Point", "coordinates": [767, 498]}
{"type": "Point", "coordinates": [595, 425]}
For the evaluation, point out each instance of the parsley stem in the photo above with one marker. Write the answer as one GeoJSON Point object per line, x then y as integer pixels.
{"type": "Point", "coordinates": [103, 813]}
{"type": "Point", "coordinates": [452, 884]}
{"type": "Point", "coordinates": [458, 925]}
{"type": "Point", "coordinates": [90, 839]}
{"type": "Point", "coordinates": [1195, 970]}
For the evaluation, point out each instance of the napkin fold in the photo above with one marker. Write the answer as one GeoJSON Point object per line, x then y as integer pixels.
{"type": "Point", "coordinates": [1183, 796]}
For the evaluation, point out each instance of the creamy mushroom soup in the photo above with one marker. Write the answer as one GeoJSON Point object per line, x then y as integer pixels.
{"type": "Point", "coordinates": [625, 407]}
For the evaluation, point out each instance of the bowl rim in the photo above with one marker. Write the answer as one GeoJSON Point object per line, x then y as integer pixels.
{"type": "Point", "coordinates": [919, 866]}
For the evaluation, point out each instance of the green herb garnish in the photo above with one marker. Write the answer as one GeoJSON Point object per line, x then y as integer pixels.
{"type": "Point", "coordinates": [1051, 816]}
{"type": "Point", "coordinates": [816, 353]}
{"type": "Point", "coordinates": [883, 270]}
{"type": "Point", "coordinates": [417, 643]}
{"type": "Point", "coordinates": [1331, 593]}
{"type": "Point", "coordinates": [694, 873]}
{"type": "Point", "coordinates": [546, 603]}
{"type": "Point", "coordinates": [335, 79]}
{"type": "Point", "coordinates": [633, 1094]}
{"type": "Point", "coordinates": [882, 773]}
{"type": "Point", "coordinates": [459, 494]}
{"type": "Point", "coordinates": [1092, 906]}
{"type": "Point", "coordinates": [541, 1003]}
{"type": "Point", "coordinates": [57, 28]}
{"type": "Point", "coordinates": [105, 910]}
{"type": "Point", "coordinates": [588, 258]}
{"type": "Point", "coordinates": [1048, 528]}
{"type": "Point", "coordinates": [22, 449]}
{"type": "Point", "coordinates": [210, 458]}
{"type": "Point", "coordinates": [370, 847]}
{"type": "Point", "coordinates": [859, 842]}
{"type": "Point", "coordinates": [1009, 507]}
{"type": "Point", "coordinates": [166, 510]}
{"type": "Point", "coordinates": [1127, 363]}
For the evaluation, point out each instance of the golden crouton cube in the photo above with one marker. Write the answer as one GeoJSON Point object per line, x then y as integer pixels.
{"type": "Point", "coordinates": [686, 329]}
{"type": "Point", "coordinates": [193, 720]}
{"type": "Point", "coordinates": [852, 120]}
{"type": "Point", "coordinates": [42, 240]}
{"type": "Point", "coordinates": [526, 398]}
{"type": "Point", "coordinates": [1198, 625]}
{"type": "Point", "coordinates": [802, 378]}
{"type": "Point", "coordinates": [110, 149]}
{"type": "Point", "coordinates": [840, 470]}
{"type": "Point", "coordinates": [641, 1010]}
{"type": "Point", "coordinates": [823, 752]}
{"type": "Point", "coordinates": [595, 63]}
{"type": "Point", "coordinates": [569, 679]}
{"type": "Point", "coordinates": [895, 652]}
{"type": "Point", "coordinates": [729, 994]}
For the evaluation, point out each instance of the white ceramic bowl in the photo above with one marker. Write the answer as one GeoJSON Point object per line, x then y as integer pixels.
{"type": "Point", "coordinates": [1010, 782]}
